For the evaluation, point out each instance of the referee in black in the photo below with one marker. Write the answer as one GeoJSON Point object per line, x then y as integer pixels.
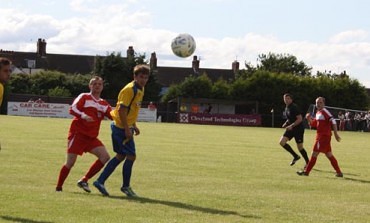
{"type": "Point", "coordinates": [293, 128]}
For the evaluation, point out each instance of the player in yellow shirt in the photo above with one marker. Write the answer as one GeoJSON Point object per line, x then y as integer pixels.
{"type": "Point", "coordinates": [4, 75]}
{"type": "Point", "coordinates": [123, 128]}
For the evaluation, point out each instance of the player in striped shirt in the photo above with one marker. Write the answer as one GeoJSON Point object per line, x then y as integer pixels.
{"type": "Point", "coordinates": [88, 110]}
{"type": "Point", "coordinates": [324, 122]}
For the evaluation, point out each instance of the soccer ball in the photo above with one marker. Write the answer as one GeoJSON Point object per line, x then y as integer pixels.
{"type": "Point", "coordinates": [183, 45]}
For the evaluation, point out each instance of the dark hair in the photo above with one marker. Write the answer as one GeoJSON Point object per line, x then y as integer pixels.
{"type": "Point", "coordinates": [4, 61]}
{"type": "Point", "coordinates": [288, 95]}
{"type": "Point", "coordinates": [141, 69]}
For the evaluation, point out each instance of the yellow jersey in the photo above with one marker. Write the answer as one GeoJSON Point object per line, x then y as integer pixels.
{"type": "Point", "coordinates": [130, 97]}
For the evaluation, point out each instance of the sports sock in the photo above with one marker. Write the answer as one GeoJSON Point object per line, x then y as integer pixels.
{"type": "Point", "coordinates": [310, 164]}
{"type": "Point", "coordinates": [334, 163]}
{"type": "Point", "coordinates": [126, 172]}
{"type": "Point", "coordinates": [94, 168]}
{"type": "Point", "coordinates": [288, 148]}
{"type": "Point", "coordinates": [63, 174]}
{"type": "Point", "coordinates": [304, 154]}
{"type": "Point", "coordinates": [108, 170]}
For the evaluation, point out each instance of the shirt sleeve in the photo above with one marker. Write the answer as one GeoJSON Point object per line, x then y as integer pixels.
{"type": "Point", "coordinates": [76, 108]}
{"type": "Point", "coordinates": [125, 97]}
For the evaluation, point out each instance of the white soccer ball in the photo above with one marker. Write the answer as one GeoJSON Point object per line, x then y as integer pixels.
{"type": "Point", "coordinates": [183, 45]}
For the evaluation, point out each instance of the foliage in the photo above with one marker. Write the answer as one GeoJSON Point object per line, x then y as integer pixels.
{"type": "Point", "coordinates": [117, 71]}
{"type": "Point", "coordinates": [220, 90]}
{"type": "Point", "coordinates": [51, 83]}
{"type": "Point", "coordinates": [59, 92]}
{"type": "Point", "coordinates": [191, 87]}
{"type": "Point", "coordinates": [283, 63]}
{"type": "Point", "coordinates": [278, 74]}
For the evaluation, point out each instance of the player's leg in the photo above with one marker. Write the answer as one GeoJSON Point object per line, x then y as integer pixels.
{"type": "Point", "coordinates": [101, 153]}
{"type": "Point", "coordinates": [126, 172]}
{"type": "Point", "coordinates": [63, 174]}
{"type": "Point", "coordinates": [108, 170]}
{"type": "Point", "coordinates": [310, 165]}
{"type": "Point", "coordinates": [334, 163]}
{"type": "Point", "coordinates": [303, 152]}
{"type": "Point", "coordinates": [283, 142]}
{"type": "Point", "coordinates": [130, 151]}
{"type": "Point", "coordinates": [118, 137]}
{"type": "Point", "coordinates": [299, 135]}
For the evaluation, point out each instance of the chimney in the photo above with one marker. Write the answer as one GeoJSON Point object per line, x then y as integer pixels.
{"type": "Point", "coordinates": [130, 52]}
{"type": "Point", "coordinates": [153, 61]}
{"type": "Point", "coordinates": [235, 66]}
{"type": "Point", "coordinates": [41, 47]}
{"type": "Point", "coordinates": [195, 65]}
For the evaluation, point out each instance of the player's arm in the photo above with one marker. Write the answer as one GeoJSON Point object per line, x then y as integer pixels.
{"type": "Point", "coordinates": [286, 123]}
{"type": "Point", "coordinates": [311, 121]}
{"type": "Point", "coordinates": [136, 129]}
{"type": "Point", "coordinates": [123, 111]}
{"type": "Point", "coordinates": [296, 122]}
{"type": "Point", "coordinates": [76, 109]}
{"type": "Point", "coordinates": [107, 112]}
{"type": "Point", "coordinates": [335, 129]}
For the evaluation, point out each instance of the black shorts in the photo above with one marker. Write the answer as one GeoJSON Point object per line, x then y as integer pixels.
{"type": "Point", "coordinates": [296, 133]}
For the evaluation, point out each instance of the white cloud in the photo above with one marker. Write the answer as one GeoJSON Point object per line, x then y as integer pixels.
{"type": "Point", "coordinates": [350, 36]}
{"type": "Point", "coordinates": [113, 28]}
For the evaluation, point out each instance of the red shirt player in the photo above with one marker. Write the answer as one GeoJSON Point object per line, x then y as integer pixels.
{"type": "Point", "coordinates": [88, 110]}
{"type": "Point", "coordinates": [324, 122]}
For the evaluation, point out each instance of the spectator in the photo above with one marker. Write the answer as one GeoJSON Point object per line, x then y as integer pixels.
{"type": "Point", "coordinates": [342, 120]}
{"type": "Point", "coordinates": [152, 106]}
{"type": "Point", "coordinates": [39, 101]}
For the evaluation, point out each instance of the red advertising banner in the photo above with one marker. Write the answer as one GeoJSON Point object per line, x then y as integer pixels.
{"type": "Point", "coordinates": [219, 119]}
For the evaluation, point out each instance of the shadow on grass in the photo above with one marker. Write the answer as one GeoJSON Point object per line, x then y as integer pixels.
{"type": "Point", "coordinates": [333, 172]}
{"type": "Point", "coordinates": [357, 180]}
{"type": "Point", "coordinates": [176, 204]}
{"type": "Point", "coordinates": [22, 220]}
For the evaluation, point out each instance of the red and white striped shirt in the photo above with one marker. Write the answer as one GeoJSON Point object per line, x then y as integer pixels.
{"type": "Point", "coordinates": [86, 104]}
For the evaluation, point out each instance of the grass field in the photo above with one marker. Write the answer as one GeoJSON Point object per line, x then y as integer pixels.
{"type": "Point", "coordinates": [184, 173]}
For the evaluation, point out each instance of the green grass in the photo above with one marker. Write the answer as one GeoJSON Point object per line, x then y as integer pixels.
{"type": "Point", "coordinates": [183, 173]}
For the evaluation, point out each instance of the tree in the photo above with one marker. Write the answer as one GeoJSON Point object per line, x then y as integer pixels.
{"type": "Point", "coordinates": [191, 87]}
{"type": "Point", "coordinates": [118, 71]}
{"type": "Point", "coordinates": [283, 63]}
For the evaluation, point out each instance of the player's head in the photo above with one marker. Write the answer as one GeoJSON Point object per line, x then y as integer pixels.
{"type": "Point", "coordinates": [141, 74]}
{"type": "Point", "coordinates": [320, 103]}
{"type": "Point", "coordinates": [5, 69]}
{"type": "Point", "coordinates": [96, 85]}
{"type": "Point", "coordinates": [288, 98]}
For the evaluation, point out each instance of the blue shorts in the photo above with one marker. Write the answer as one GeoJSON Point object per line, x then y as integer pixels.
{"type": "Point", "coordinates": [120, 143]}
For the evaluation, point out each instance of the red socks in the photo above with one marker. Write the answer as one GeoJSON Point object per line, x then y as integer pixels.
{"type": "Point", "coordinates": [62, 176]}
{"type": "Point", "coordinates": [94, 169]}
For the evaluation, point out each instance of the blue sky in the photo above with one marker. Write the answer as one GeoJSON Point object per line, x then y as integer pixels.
{"type": "Point", "coordinates": [326, 34]}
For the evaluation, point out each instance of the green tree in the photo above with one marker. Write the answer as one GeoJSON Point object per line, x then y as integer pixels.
{"type": "Point", "coordinates": [117, 71]}
{"type": "Point", "coordinates": [20, 83]}
{"type": "Point", "coordinates": [283, 63]}
{"type": "Point", "coordinates": [191, 87]}
{"type": "Point", "coordinates": [42, 81]}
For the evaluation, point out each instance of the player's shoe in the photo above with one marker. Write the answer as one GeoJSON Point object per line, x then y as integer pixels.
{"type": "Point", "coordinates": [58, 189]}
{"type": "Point", "coordinates": [101, 188]}
{"type": "Point", "coordinates": [302, 173]}
{"type": "Point", "coordinates": [339, 175]}
{"type": "Point", "coordinates": [84, 185]}
{"type": "Point", "coordinates": [128, 191]}
{"type": "Point", "coordinates": [295, 159]}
